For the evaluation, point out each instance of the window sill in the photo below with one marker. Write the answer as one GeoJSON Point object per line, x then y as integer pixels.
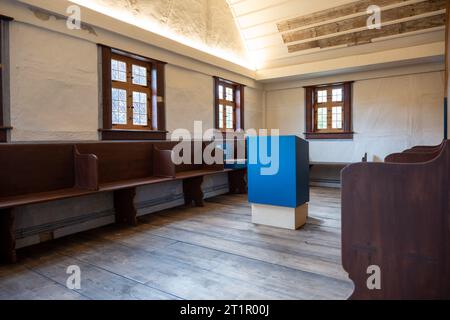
{"type": "Point", "coordinates": [122, 134]}
{"type": "Point", "coordinates": [329, 136]}
{"type": "Point", "coordinates": [4, 133]}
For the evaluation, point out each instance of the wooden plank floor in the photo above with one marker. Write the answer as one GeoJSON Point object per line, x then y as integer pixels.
{"type": "Point", "coordinates": [213, 252]}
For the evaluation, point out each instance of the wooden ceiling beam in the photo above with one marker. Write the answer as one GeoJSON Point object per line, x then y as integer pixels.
{"type": "Point", "coordinates": [333, 13]}
{"type": "Point", "coordinates": [361, 21]}
{"type": "Point", "coordinates": [366, 36]}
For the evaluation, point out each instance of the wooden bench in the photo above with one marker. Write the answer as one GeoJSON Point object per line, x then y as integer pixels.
{"type": "Point", "coordinates": [415, 154]}
{"type": "Point", "coordinates": [36, 173]}
{"type": "Point", "coordinates": [395, 215]}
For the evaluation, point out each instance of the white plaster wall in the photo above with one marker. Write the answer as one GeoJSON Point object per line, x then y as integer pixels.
{"type": "Point", "coordinates": [189, 98]}
{"type": "Point", "coordinates": [55, 91]}
{"type": "Point", "coordinates": [254, 108]}
{"type": "Point", "coordinates": [389, 115]}
{"type": "Point", "coordinates": [54, 86]}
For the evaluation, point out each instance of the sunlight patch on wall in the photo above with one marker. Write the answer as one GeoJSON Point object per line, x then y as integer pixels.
{"type": "Point", "coordinates": [217, 36]}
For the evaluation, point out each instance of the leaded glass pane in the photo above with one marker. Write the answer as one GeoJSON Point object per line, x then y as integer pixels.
{"type": "Point", "coordinates": [220, 116]}
{"type": "Point", "coordinates": [118, 71]}
{"type": "Point", "coordinates": [229, 117]}
{"type": "Point", "coordinates": [229, 94]}
{"type": "Point", "coordinates": [337, 117]}
{"type": "Point", "coordinates": [322, 96]}
{"type": "Point", "coordinates": [140, 117]}
{"type": "Point", "coordinates": [119, 106]}
{"type": "Point", "coordinates": [337, 95]}
{"type": "Point", "coordinates": [322, 118]}
{"type": "Point", "coordinates": [139, 75]}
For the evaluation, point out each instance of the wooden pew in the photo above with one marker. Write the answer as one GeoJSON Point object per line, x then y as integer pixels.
{"type": "Point", "coordinates": [412, 157]}
{"type": "Point", "coordinates": [395, 215]}
{"type": "Point", "coordinates": [425, 148]}
{"type": "Point", "coordinates": [35, 173]}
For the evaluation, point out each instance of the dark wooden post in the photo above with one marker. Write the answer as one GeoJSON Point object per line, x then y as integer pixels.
{"type": "Point", "coordinates": [7, 236]}
{"type": "Point", "coordinates": [193, 192]}
{"type": "Point", "coordinates": [447, 65]}
{"type": "Point", "coordinates": [126, 212]}
{"type": "Point", "coordinates": [237, 181]}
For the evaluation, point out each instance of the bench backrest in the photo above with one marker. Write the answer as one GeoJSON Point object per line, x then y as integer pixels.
{"type": "Point", "coordinates": [120, 161]}
{"type": "Point", "coordinates": [34, 168]}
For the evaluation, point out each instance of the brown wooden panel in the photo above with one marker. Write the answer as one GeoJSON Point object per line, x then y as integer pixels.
{"type": "Point", "coordinates": [124, 135]}
{"type": "Point", "coordinates": [126, 212]}
{"type": "Point", "coordinates": [192, 189]}
{"type": "Point", "coordinates": [7, 236]}
{"type": "Point", "coordinates": [106, 87]}
{"type": "Point", "coordinates": [361, 21]}
{"type": "Point", "coordinates": [35, 168]}
{"type": "Point", "coordinates": [411, 157]}
{"type": "Point", "coordinates": [3, 128]}
{"type": "Point", "coordinates": [240, 107]}
{"type": "Point", "coordinates": [348, 98]}
{"type": "Point", "coordinates": [238, 181]}
{"type": "Point", "coordinates": [86, 171]}
{"type": "Point", "coordinates": [329, 136]}
{"type": "Point", "coordinates": [309, 103]}
{"type": "Point", "coordinates": [416, 154]}
{"type": "Point", "coordinates": [426, 148]}
{"type": "Point", "coordinates": [396, 216]}
{"type": "Point", "coordinates": [163, 165]}
{"type": "Point", "coordinates": [121, 160]}
{"type": "Point", "coordinates": [2, 132]}
{"type": "Point", "coordinates": [33, 198]}
{"type": "Point", "coordinates": [447, 53]}
{"type": "Point", "coordinates": [161, 96]}
{"type": "Point", "coordinates": [366, 36]}
{"type": "Point", "coordinates": [333, 13]}
{"type": "Point", "coordinates": [3, 135]}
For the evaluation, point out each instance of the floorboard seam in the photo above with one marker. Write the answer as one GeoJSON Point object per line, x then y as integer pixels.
{"type": "Point", "coordinates": [56, 282]}
{"type": "Point", "coordinates": [120, 275]}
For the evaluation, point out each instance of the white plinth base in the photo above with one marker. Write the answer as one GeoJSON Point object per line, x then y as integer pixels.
{"type": "Point", "coordinates": [280, 217]}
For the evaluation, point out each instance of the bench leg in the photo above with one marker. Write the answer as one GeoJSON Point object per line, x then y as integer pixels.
{"type": "Point", "coordinates": [193, 192]}
{"type": "Point", "coordinates": [237, 181]}
{"type": "Point", "coordinates": [126, 212]}
{"type": "Point", "coordinates": [7, 236]}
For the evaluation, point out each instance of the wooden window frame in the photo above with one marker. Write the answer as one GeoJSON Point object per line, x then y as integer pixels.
{"type": "Point", "coordinates": [156, 129]}
{"type": "Point", "coordinates": [311, 107]}
{"type": "Point", "coordinates": [4, 20]}
{"type": "Point", "coordinates": [237, 104]}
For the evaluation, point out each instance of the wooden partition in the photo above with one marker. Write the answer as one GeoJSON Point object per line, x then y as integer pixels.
{"type": "Point", "coordinates": [395, 217]}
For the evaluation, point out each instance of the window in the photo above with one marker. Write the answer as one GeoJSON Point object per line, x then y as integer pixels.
{"type": "Point", "coordinates": [328, 111]}
{"type": "Point", "coordinates": [131, 93]}
{"type": "Point", "coordinates": [4, 70]}
{"type": "Point", "coordinates": [133, 97]}
{"type": "Point", "coordinates": [229, 106]}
